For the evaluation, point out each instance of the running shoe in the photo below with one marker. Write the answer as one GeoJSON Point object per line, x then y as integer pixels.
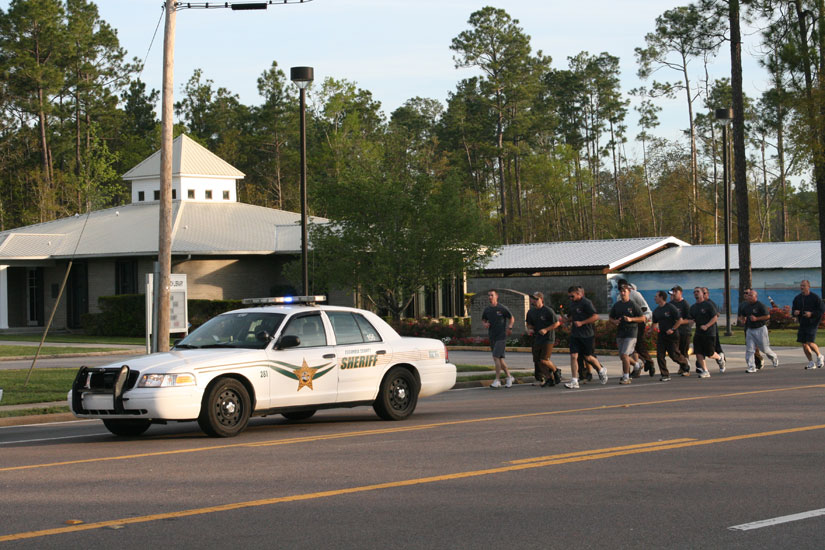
{"type": "Point", "coordinates": [557, 376]}
{"type": "Point", "coordinates": [810, 366]}
{"type": "Point", "coordinates": [496, 384]}
{"type": "Point", "coordinates": [721, 362]}
{"type": "Point", "coordinates": [664, 379]}
{"type": "Point", "coordinates": [509, 382]}
{"type": "Point", "coordinates": [775, 361]}
{"type": "Point", "coordinates": [624, 380]}
{"type": "Point", "coordinates": [603, 375]}
{"type": "Point", "coordinates": [820, 360]}
{"type": "Point", "coordinates": [685, 373]}
{"type": "Point", "coordinates": [572, 385]}
{"type": "Point", "coordinates": [704, 374]}
{"type": "Point", "coordinates": [751, 370]}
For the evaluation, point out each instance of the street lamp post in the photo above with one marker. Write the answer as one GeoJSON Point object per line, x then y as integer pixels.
{"type": "Point", "coordinates": [302, 77]}
{"type": "Point", "coordinates": [726, 115]}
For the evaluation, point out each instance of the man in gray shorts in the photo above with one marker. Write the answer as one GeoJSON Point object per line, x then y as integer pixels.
{"type": "Point", "coordinates": [498, 321]}
{"type": "Point", "coordinates": [626, 315]}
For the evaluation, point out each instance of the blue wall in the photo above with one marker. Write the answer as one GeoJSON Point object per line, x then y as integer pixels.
{"type": "Point", "coordinates": [780, 284]}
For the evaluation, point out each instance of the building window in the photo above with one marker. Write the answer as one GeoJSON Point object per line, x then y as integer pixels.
{"type": "Point", "coordinates": [157, 195]}
{"type": "Point", "coordinates": [126, 277]}
{"type": "Point", "coordinates": [141, 196]}
{"type": "Point", "coordinates": [226, 195]}
{"type": "Point", "coordinates": [174, 194]}
{"type": "Point", "coordinates": [190, 193]}
{"type": "Point", "coordinates": [208, 194]}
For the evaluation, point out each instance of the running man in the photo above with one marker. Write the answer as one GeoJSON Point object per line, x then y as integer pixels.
{"type": "Point", "coordinates": [717, 346]}
{"type": "Point", "coordinates": [626, 315]}
{"type": "Point", "coordinates": [754, 314]}
{"type": "Point", "coordinates": [666, 322]}
{"type": "Point", "coordinates": [681, 304]}
{"type": "Point", "coordinates": [542, 323]}
{"type": "Point", "coordinates": [582, 316]}
{"type": "Point", "coordinates": [704, 315]}
{"type": "Point", "coordinates": [807, 308]}
{"type": "Point", "coordinates": [498, 321]}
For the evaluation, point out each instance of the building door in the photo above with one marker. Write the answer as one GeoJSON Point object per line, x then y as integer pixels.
{"type": "Point", "coordinates": [77, 298]}
{"type": "Point", "coordinates": [34, 296]}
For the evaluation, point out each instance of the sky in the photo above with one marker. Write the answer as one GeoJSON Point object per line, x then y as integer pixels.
{"type": "Point", "coordinates": [396, 49]}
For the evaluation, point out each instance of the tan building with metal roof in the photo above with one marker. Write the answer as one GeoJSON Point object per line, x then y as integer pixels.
{"type": "Point", "coordinates": [227, 249]}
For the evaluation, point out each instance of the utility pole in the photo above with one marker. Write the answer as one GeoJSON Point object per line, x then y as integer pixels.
{"type": "Point", "coordinates": [165, 217]}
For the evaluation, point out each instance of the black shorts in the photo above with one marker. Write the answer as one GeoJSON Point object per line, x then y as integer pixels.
{"type": "Point", "coordinates": [542, 350]}
{"type": "Point", "coordinates": [704, 344]}
{"type": "Point", "coordinates": [806, 334]}
{"type": "Point", "coordinates": [583, 345]}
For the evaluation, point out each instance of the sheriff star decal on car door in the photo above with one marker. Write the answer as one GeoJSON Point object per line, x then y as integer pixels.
{"type": "Point", "coordinates": [303, 374]}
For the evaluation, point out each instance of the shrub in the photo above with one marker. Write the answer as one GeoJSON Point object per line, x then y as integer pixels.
{"type": "Point", "coordinates": [431, 328]}
{"type": "Point", "coordinates": [780, 318]}
{"type": "Point", "coordinates": [123, 315]}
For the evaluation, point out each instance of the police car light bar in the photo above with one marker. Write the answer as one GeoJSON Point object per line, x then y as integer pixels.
{"type": "Point", "coordinates": [285, 300]}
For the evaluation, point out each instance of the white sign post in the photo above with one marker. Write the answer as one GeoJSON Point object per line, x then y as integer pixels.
{"type": "Point", "coordinates": [178, 310]}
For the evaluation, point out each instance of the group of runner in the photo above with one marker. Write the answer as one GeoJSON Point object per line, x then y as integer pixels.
{"type": "Point", "coordinates": [672, 319]}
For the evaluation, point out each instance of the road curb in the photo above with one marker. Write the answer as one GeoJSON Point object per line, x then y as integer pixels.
{"type": "Point", "coordinates": [36, 419]}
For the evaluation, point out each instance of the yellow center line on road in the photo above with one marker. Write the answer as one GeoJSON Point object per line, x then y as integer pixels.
{"type": "Point", "coordinates": [598, 454]}
{"type": "Point", "coordinates": [401, 429]}
{"type": "Point", "coordinates": [596, 451]}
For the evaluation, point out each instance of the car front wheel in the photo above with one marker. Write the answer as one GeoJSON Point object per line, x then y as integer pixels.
{"type": "Point", "coordinates": [397, 396]}
{"type": "Point", "coordinates": [225, 409]}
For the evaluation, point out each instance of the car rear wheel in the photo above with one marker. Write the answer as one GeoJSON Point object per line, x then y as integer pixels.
{"type": "Point", "coordinates": [127, 428]}
{"type": "Point", "coordinates": [397, 396]}
{"type": "Point", "coordinates": [297, 415]}
{"type": "Point", "coordinates": [225, 409]}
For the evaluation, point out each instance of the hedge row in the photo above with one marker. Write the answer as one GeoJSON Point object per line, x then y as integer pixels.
{"type": "Point", "coordinates": [125, 315]}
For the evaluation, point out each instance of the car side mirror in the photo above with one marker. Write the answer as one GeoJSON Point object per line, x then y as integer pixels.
{"type": "Point", "coordinates": [289, 341]}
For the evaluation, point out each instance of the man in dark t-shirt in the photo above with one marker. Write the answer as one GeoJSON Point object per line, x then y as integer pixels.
{"type": "Point", "coordinates": [627, 315]}
{"type": "Point", "coordinates": [498, 321]}
{"type": "Point", "coordinates": [755, 315]}
{"type": "Point", "coordinates": [704, 315]}
{"type": "Point", "coordinates": [666, 322]}
{"type": "Point", "coordinates": [808, 308]}
{"type": "Point", "coordinates": [683, 332]}
{"type": "Point", "coordinates": [581, 316]}
{"type": "Point", "coordinates": [541, 323]}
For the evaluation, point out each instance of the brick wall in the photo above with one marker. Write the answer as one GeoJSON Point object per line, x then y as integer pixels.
{"type": "Point", "coordinates": [517, 302]}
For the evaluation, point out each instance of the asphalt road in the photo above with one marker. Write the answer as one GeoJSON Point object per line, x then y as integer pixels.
{"type": "Point", "coordinates": [687, 464]}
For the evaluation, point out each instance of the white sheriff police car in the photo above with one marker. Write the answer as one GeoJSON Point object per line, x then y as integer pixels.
{"type": "Point", "coordinates": [290, 358]}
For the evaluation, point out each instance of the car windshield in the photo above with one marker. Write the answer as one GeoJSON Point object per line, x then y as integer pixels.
{"type": "Point", "coordinates": [246, 329]}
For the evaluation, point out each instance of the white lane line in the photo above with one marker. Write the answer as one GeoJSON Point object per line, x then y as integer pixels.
{"type": "Point", "coordinates": [777, 521]}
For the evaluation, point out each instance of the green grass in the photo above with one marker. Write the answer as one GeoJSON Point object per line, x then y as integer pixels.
{"type": "Point", "coordinates": [779, 337]}
{"type": "Point", "coordinates": [45, 385]}
{"type": "Point", "coordinates": [29, 351]}
{"type": "Point", "coordinates": [33, 412]}
{"type": "Point", "coordinates": [64, 338]}
{"type": "Point", "coordinates": [473, 368]}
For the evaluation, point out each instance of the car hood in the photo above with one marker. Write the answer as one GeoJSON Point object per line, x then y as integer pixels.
{"type": "Point", "coordinates": [187, 360]}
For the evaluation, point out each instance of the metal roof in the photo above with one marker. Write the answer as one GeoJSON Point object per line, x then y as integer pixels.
{"type": "Point", "coordinates": [200, 228]}
{"type": "Point", "coordinates": [557, 256]}
{"type": "Point", "coordinates": [787, 255]}
{"type": "Point", "coordinates": [189, 158]}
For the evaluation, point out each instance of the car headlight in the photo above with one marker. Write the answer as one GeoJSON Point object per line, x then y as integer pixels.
{"type": "Point", "coordinates": [166, 380]}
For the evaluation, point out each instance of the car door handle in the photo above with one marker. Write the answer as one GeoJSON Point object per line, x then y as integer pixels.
{"type": "Point", "coordinates": [381, 352]}
{"type": "Point", "coordinates": [329, 356]}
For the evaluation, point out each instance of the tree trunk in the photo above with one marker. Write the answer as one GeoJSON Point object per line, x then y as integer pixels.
{"type": "Point", "coordinates": [739, 167]}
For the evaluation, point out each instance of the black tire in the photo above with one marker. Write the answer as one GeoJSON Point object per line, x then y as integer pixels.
{"type": "Point", "coordinates": [127, 428]}
{"type": "Point", "coordinates": [297, 415]}
{"type": "Point", "coordinates": [397, 396]}
{"type": "Point", "coordinates": [225, 409]}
